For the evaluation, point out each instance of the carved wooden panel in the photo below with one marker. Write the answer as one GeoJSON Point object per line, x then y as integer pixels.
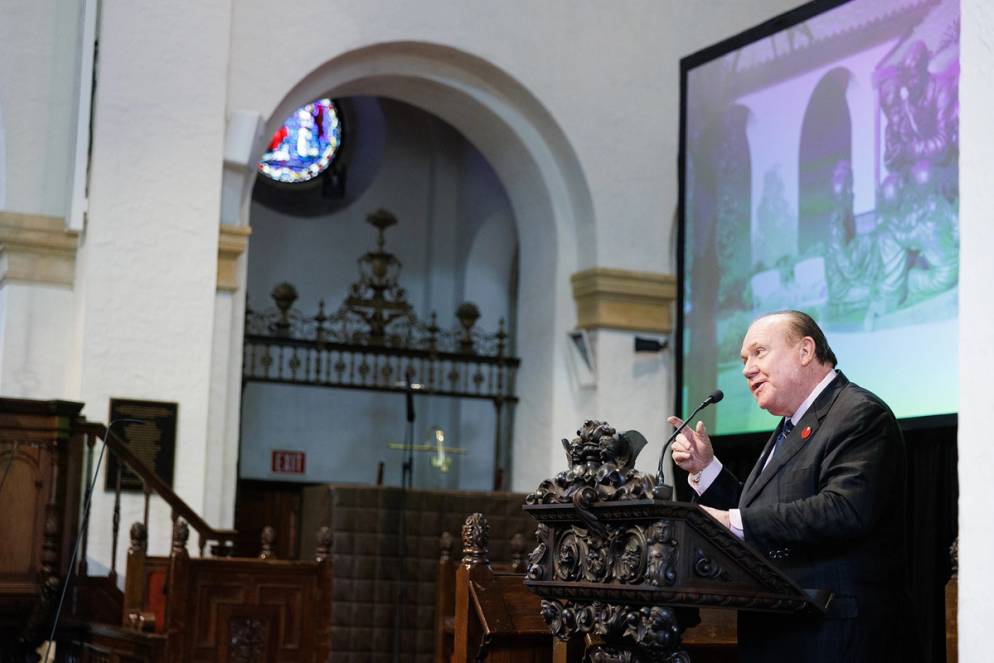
{"type": "Point", "coordinates": [22, 518]}
{"type": "Point", "coordinates": [211, 599]}
{"type": "Point", "coordinates": [250, 634]}
{"type": "Point", "coordinates": [40, 506]}
{"type": "Point", "coordinates": [254, 610]}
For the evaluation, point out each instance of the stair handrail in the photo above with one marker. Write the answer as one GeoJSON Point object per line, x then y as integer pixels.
{"type": "Point", "coordinates": [155, 483]}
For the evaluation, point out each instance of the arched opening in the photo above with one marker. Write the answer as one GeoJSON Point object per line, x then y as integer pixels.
{"type": "Point", "coordinates": [545, 190]}
{"type": "Point", "coordinates": [447, 201]}
{"type": "Point", "coordinates": [826, 139]}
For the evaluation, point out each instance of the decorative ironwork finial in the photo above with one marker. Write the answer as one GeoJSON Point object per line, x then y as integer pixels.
{"type": "Point", "coordinates": [284, 294]}
{"type": "Point", "coordinates": [381, 219]}
{"type": "Point", "coordinates": [467, 313]}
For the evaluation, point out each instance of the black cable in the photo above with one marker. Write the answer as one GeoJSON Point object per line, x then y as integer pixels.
{"type": "Point", "coordinates": [79, 533]}
{"type": "Point", "coordinates": [407, 484]}
{"type": "Point", "coordinates": [10, 461]}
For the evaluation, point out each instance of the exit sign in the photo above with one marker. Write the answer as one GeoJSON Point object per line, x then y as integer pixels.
{"type": "Point", "coordinates": [288, 462]}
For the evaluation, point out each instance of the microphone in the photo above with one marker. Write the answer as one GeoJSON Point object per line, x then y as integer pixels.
{"type": "Point", "coordinates": [714, 397]}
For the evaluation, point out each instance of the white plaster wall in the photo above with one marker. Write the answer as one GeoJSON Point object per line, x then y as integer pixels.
{"type": "Point", "coordinates": [608, 77]}
{"type": "Point", "coordinates": [33, 350]}
{"type": "Point", "coordinates": [145, 282]}
{"type": "Point", "coordinates": [3, 162]}
{"type": "Point", "coordinates": [438, 186]}
{"type": "Point", "coordinates": [38, 74]}
{"type": "Point", "coordinates": [976, 455]}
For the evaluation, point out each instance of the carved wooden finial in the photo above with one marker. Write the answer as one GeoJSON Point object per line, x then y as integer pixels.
{"type": "Point", "coordinates": [181, 534]}
{"type": "Point", "coordinates": [323, 551]}
{"type": "Point", "coordinates": [445, 547]}
{"type": "Point", "coordinates": [518, 563]}
{"type": "Point", "coordinates": [139, 539]}
{"type": "Point", "coordinates": [267, 538]}
{"type": "Point", "coordinates": [475, 539]}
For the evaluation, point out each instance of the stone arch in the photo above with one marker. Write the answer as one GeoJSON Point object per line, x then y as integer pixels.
{"type": "Point", "coordinates": [541, 174]}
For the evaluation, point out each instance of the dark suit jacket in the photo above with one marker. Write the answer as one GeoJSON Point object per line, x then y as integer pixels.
{"type": "Point", "coordinates": [829, 513]}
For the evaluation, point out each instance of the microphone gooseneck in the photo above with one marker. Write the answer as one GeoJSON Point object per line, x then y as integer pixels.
{"type": "Point", "coordinates": [714, 397]}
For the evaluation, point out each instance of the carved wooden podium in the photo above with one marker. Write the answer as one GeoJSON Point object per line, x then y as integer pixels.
{"type": "Point", "coordinates": [618, 561]}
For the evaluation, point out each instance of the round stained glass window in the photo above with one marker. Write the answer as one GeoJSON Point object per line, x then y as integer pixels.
{"type": "Point", "coordinates": [304, 146]}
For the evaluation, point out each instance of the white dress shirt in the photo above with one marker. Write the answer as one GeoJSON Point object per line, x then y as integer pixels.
{"type": "Point", "coordinates": [711, 472]}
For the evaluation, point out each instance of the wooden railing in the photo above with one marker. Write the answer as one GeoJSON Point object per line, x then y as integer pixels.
{"type": "Point", "coordinates": [151, 483]}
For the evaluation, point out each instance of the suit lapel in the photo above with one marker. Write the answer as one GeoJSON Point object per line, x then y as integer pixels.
{"type": "Point", "coordinates": [758, 467]}
{"type": "Point", "coordinates": [759, 478]}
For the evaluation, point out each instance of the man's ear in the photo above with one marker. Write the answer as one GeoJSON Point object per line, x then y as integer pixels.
{"type": "Point", "coordinates": [807, 350]}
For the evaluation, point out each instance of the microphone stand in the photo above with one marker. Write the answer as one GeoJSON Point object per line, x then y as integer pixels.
{"type": "Point", "coordinates": [714, 397]}
{"type": "Point", "coordinates": [406, 484]}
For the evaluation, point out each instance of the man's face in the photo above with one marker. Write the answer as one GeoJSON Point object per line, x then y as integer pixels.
{"type": "Point", "coordinates": [772, 365]}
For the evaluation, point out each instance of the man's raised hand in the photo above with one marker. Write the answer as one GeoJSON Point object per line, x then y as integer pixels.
{"type": "Point", "coordinates": [692, 450]}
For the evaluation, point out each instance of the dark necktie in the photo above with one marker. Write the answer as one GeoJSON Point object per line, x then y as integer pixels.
{"type": "Point", "coordinates": [785, 429]}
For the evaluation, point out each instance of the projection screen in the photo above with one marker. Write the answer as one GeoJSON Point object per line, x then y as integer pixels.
{"type": "Point", "coordinates": [819, 171]}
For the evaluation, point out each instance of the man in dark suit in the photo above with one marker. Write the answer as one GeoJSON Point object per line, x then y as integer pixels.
{"type": "Point", "coordinates": [824, 503]}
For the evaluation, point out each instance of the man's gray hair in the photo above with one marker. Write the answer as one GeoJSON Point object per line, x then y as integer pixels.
{"type": "Point", "coordinates": [800, 324]}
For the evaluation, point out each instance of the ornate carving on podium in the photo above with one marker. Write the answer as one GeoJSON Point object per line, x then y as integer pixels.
{"type": "Point", "coordinates": [601, 468]}
{"type": "Point", "coordinates": [655, 630]}
{"type": "Point", "coordinates": [537, 557]}
{"type": "Point", "coordinates": [616, 560]}
{"type": "Point", "coordinates": [706, 567]}
{"type": "Point", "coordinates": [661, 555]}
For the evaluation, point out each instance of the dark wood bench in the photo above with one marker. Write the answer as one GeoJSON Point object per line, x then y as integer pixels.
{"type": "Point", "coordinates": [497, 619]}
{"type": "Point", "coordinates": [445, 589]}
{"type": "Point", "coordinates": [179, 609]}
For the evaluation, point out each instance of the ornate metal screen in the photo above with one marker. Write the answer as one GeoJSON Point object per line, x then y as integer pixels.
{"type": "Point", "coordinates": [376, 342]}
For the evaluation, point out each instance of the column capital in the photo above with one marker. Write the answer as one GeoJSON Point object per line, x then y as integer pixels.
{"type": "Point", "coordinates": [231, 245]}
{"type": "Point", "coordinates": [609, 298]}
{"type": "Point", "coordinates": [37, 249]}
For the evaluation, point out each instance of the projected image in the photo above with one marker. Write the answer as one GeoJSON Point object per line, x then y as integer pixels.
{"type": "Point", "coordinates": [821, 174]}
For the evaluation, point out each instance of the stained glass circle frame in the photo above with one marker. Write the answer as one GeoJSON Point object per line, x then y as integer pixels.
{"type": "Point", "coordinates": [305, 145]}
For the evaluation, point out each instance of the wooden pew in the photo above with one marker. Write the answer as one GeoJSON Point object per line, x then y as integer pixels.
{"type": "Point", "coordinates": [497, 619]}
{"type": "Point", "coordinates": [179, 609]}
{"type": "Point", "coordinates": [445, 589]}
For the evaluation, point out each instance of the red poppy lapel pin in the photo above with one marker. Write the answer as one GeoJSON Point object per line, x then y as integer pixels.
{"type": "Point", "coordinates": [806, 433]}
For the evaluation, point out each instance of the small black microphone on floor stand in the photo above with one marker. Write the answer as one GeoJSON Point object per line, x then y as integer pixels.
{"type": "Point", "coordinates": [406, 484]}
{"type": "Point", "coordinates": [714, 397]}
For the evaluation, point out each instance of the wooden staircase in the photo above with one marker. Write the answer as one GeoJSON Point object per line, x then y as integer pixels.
{"type": "Point", "coordinates": [174, 608]}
